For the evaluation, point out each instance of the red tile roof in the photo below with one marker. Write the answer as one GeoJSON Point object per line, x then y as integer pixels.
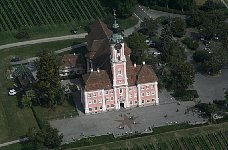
{"type": "Point", "coordinates": [70, 61]}
{"type": "Point", "coordinates": [97, 80]}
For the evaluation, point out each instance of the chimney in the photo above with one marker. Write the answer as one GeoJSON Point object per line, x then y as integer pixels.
{"type": "Point", "coordinates": [98, 70]}
{"type": "Point", "coordinates": [91, 69]}
{"type": "Point", "coordinates": [134, 64]}
{"type": "Point", "coordinates": [143, 62]}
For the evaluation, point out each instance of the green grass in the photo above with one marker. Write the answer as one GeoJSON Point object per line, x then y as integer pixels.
{"type": "Point", "coordinates": [127, 23]}
{"type": "Point", "coordinates": [16, 146]}
{"type": "Point", "coordinates": [14, 122]}
{"type": "Point", "coordinates": [67, 109]}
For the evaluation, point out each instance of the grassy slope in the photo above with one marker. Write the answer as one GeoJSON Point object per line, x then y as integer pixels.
{"type": "Point", "coordinates": [14, 121]}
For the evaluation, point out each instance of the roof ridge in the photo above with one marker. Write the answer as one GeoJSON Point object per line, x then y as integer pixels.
{"type": "Point", "coordinates": [102, 26]}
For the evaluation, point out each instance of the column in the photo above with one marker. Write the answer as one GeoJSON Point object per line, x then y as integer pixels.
{"type": "Point", "coordinates": [103, 101]}
{"type": "Point", "coordinates": [139, 95]}
{"type": "Point", "coordinates": [156, 93]}
{"type": "Point", "coordinates": [86, 103]}
{"type": "Point", "coordinates": [115, 98]}
{"type": "Point", "coordinates": [127, 95]}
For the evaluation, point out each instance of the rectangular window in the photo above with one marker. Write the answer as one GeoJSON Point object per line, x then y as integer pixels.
{"type": "Point", "coordinates": [119, 72]}
{"type": "Point", "coordinates": [111, 98]}
{"type": "Point", "coordinates": [111, 92]}
{"type": "Point", "coordinates": [95, 108]}
{"type": "Point", "coordinates": [90, 102]}
{"type": "Point", "coordinates": [107, 106]}
{"type": "Point", "coordinates": [106, 92]}
{"type": "Point", "coordinates": [147, 93]}
{"type": "Point", "coordinates": [106, 99]}
{"type": "Point", "coordinates": [94, 101]}
{"type": "Point", "coordinates": [147, 87]}
{"type": "Point", "coordinates": [152, 93]}
{"type": "Point", "coordinates": [148, 101]}
{"type": "Point", "coordinates": [152, 100]}
{"type": "Point", "coordinates": [121, 91]}
{"type": "Point", "coordinates": [89, 95]}
{"type": "Point", "coordinates": [136, 102]}
{"type": "Point", "coordinates": [100, 100]}
{"type": "Point", "coordinates": [101, 108]}
{"type": "Point", "coordinates": [142, 94]}
{"type": "Point", "coordinates": [142, 101]}
{"type": "Point", "coordinates": [112, 105]}
{"type": "Point", "coordinates": [90, 109]}
{"type": "Point", "coordinates": [130, 95]}
{"type": "Point", "coordinates": [131, 102]}
{"type": "Point", "coordinates": [142, 88]}
{"type": "Point", "coordinates": [152, 86]}
{"type": "Point", "coordinates": [94, 94]}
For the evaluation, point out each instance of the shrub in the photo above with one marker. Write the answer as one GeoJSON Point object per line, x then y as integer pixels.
{"type": "Point", "coordinates": [185, 95]}
{"type": "Point", "coordinates": [191, 44]}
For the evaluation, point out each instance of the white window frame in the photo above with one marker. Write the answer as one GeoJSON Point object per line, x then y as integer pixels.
{"type": "Point", "coordinates": [147, 93]}
{"type": "Point", "coordinates": [148, 101]}
{"type": "Point", "coordinates": [94, 95]}
{"type": "Point", "coordinates": [94, 101]}
{"type": "Point", "coordinates": [106, 99]}
{"type": "Point", "coordinates": [89, 95]}
{"type": "Point", "coordinates": [142, 94]}
{"type": "Point", "coordinates": [90, 109]}
{"type": "Point", "coordinates": [100, 101]}
{"type": "Point", "coordinates": [106, 92]}
{"type": "Point", "coordinates": [130, 95]}
{"type": "Point", "coordinates": [112, 98]}
{"type": "Point", "coordinates": [152, 93]}
{"type": "Point", "coordinates": [95, 108]}
{"type": "Point", "coordinates": [90, 102]}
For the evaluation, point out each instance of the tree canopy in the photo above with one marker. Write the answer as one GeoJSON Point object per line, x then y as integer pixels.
{"type": "Point", "coordinates": [43, 139]}
{"type": "Point", "coordinates": [178, 27]}
{"type": "Point", "coordinates": [125, 8]}
{"type": "Point", "coordinates": [137, 43]}
{"type": "Point", "coordinates": [48, 80]}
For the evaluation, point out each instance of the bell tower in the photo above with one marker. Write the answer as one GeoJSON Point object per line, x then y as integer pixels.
{"type": "Point", "coordinates": [118, 59]}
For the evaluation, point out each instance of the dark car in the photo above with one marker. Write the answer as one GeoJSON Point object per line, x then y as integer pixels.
{"type": "Point", "coordinates": [14, 59]}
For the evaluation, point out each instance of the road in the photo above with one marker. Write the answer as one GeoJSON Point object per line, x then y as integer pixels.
{"type": "Point", "coordinates": [44, 40]}
{"type": "Point", "coordinates": [224, 3]}
{"type": "Point", "coordinates": [143, 12]}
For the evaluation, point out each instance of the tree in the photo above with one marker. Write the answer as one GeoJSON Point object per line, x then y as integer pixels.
{"type": "Point", "coordinates": [149, 27]}
{"type": "Point", "coordinates": [125, 8]}
{"type": "Point", "coordinates": [182, 75]}
{"type": "Point", "coordinates": [178, 27]}
{"type": "Point", "coordinates": [226, 96]}
{"type": "Point", "coordinates": [137, 43]}
{"type": "Point", "coordinates": [48, 84]}
{"type": "Point", "coordinates": [43, 139]}
{"type": "Point", "coordinates": [166, 38]}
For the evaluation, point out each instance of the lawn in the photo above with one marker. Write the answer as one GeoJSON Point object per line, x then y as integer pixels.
{"type": "Point", "coordinates": [14, 121]}
{"type": "Point", "coordinates": [67, 109]}
{"type": "Point", "coordinates": [181, 138]}
{"type": "Point", "coordinates": [17, 146]}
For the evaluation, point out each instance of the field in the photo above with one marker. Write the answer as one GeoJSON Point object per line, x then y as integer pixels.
{"type": "Point", "coordinates": [46, 18]}
{"type": "Point", "coordinates": [206, 137]}
{"type": "Point", "coordinates": [14, 121]}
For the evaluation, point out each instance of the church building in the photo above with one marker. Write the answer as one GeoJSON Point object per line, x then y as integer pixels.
{"type": "Point", "coordinates": [112, 81]}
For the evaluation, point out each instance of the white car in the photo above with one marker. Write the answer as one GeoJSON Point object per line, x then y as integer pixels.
{"type": "Point", "coordinates": [157, 53]}
{"type": "Point", "coordinates": [12, 92]}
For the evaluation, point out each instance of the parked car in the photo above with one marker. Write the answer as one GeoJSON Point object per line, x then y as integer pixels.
{"type": "Point", "coordinates": [14, 59]}
{"type": "Point", "coordinates": [12, 92]}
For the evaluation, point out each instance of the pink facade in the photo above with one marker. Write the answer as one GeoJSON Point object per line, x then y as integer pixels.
{"type": "Point", "coordinates": [116, 82]}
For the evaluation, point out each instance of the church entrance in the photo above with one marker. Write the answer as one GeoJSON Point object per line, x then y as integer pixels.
{"type": "Point", "coordinates": [121, 105]}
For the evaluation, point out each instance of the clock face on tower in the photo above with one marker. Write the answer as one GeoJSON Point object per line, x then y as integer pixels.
{"type": "Point", "coordinates": [118, 46]}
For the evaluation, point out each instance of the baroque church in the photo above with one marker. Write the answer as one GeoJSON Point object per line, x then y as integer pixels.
{"type": "Point", "coordinates": [112, 81]}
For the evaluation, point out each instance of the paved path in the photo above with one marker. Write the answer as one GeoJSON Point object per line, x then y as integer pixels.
{"type": "Point", "coordinates": [13, 142]}
{"type": "Point", "coordinates": [44, 40]}
{"type": "Point", "coordinates": [25, 61]}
